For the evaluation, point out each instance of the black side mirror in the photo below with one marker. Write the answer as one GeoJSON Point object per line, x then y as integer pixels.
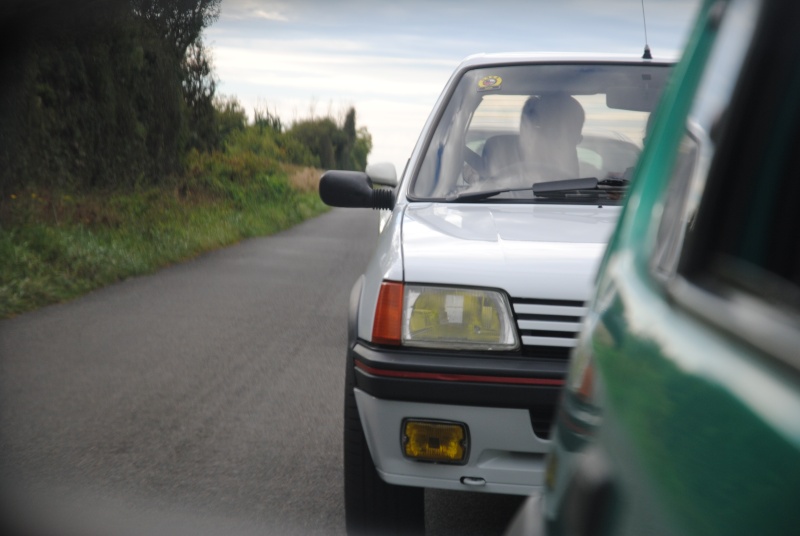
{"type": "Point", "coordinates": [353, 189]}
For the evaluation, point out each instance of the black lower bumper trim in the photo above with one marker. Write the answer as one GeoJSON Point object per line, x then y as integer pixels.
{"type": "Point", "coordinates": [512, 382]}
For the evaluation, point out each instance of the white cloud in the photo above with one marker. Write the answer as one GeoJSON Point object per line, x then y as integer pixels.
{"type": "Point", "coordinates": [329, 46]}
{"type": "Point", "coordinates": [238, 10]}
{"type": "Point", "coordinates": [270, 15]}
{"type": "Point", "coordinates": [315, 71]}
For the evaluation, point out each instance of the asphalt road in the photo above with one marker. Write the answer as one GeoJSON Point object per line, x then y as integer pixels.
{"type": "Point", "coordinates": [204, 399]}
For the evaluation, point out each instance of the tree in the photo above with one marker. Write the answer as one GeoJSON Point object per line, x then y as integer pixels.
{"type": "Point", "coordinates": [345, 155]}
{"type": "Point", "coordinates": [103, 93]}
{"type": "Point", "coordinates": [198, 85]}
{"type": "Point", "coordinates": [263, 119]}
{"type": "Point", "coordinates": [231, 116]}
{"type": "Point", "coordinates": [361, 149]}
{"type": "Point", "coordinates": [340, 147]}
{"type": "Point", "coordinates": [179, 22]}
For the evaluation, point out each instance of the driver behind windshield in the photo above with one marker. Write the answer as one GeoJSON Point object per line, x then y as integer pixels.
{"type": "Point", "coordinates": [549, 133]}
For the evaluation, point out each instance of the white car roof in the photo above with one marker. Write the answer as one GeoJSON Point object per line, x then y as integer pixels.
{"type": "Point", "coordinates": [477, 60]}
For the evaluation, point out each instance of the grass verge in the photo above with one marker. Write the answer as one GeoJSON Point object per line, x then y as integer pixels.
{"type": "Point", "coordinates": [55, 246]}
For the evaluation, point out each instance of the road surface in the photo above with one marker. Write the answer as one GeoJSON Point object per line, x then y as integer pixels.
{"type": "Point", "coordinates": [203, 399]}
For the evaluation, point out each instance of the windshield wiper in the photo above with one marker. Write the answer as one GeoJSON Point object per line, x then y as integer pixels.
{"type": "Point", "coordinates": [485, 194]}
{"type": "Point", "coordinates": [614, 182]}
{"type": "Point", "coordinates": [549, 187]}
{"type": "Point", "coordinates": [568, 185]}
{"type": "Point", "coordinates": [610, 185]}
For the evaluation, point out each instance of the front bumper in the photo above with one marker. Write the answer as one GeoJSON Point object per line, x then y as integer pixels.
{"type": "Point", "coordinates": [506, 401]}
{"type": "Point", "coordinates": [505, 454]}
{"type": "Point", "coordinates": [501, 380]}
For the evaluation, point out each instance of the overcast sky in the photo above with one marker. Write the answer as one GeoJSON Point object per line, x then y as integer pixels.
{"type": "Point", "coordinates": [390, 60]}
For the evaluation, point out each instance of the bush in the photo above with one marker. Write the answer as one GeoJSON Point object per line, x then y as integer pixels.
{"type": "Point", "coordinates": [230, 116]}
{"type": "Point", "coordinates": [67, 245]}
{"type": "Point", "coordinates": [335, 146]}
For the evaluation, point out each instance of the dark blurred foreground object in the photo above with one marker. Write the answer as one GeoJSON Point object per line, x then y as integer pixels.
{"type": "Point", "coordinates": [682, 408]}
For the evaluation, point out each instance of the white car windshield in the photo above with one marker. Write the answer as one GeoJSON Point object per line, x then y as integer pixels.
{"type": "Point", "coordinates": [509, 127]}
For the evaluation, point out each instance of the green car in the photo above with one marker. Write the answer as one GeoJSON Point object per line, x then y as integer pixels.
{"type": "Point", "coordinates": [681, 411]}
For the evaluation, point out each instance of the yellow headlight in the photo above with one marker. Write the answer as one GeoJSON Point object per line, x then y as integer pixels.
{"type": "Point", "coordinates": [457, 318]}
{"type": "Point", "coordinates": [435, 441]}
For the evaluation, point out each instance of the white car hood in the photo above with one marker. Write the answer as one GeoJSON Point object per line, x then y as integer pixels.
{"type": "Point", "coordinates": [530, 251]}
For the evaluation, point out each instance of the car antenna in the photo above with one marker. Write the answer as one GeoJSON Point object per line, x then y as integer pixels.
{"type": "Point", "coordinates": [646, 55]}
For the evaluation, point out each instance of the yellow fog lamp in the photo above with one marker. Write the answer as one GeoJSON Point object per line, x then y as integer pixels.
{"type": "Point", "coordinates": [435, 441]}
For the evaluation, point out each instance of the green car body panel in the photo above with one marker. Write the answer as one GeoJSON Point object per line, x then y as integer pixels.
{"type": "Point", "coordinates": [681, 390]}
{"type": "Point", "coordinates": [669, 423]}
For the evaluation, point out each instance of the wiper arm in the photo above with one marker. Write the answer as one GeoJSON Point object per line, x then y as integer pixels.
{"type": "Point", "coordinates": [609, 185]}
{"type": "Point", "coordinates": [614, 182]}
{"type": "Point", "coordinates": [567, 185]}
{"type": "Point", "coordinates": [477, 196]}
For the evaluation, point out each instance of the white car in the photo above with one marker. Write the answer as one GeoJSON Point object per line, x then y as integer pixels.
{"type": "Point", "coordinates": [462, 324]}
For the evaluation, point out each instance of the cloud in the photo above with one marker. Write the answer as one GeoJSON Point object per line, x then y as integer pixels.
{"type": "Point", "coordinates": [270, 15]}
{"type": "Point", "coordinates": [344, 68]}
{"type": "Point", "coordinates": [239, 10]}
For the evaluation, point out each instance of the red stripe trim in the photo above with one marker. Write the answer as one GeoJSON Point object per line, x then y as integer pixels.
{"type": "Point", "coordinates": [456, 377]}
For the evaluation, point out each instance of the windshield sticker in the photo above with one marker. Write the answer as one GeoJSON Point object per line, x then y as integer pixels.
{"type": "Point", "coordinates": [488, 83]}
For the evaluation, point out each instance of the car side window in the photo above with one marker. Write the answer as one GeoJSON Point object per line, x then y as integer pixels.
{"type": "Point", "coordinates": [759, 244]}
{"type": "Point", "coordinates": [676, 216]}
{"type": "Point", "coordinates": [742, 260]}
{"type": "Point", "coordinates": [698, 144]}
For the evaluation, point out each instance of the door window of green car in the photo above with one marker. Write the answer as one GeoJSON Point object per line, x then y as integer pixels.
{"type": "Point", "coordinates": [740, 264]}
{"type": "Point", "coordinates": [698, 144]}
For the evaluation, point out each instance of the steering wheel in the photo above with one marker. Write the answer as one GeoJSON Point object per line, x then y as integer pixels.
{"type": "Point", "coordinates": [524, 170]}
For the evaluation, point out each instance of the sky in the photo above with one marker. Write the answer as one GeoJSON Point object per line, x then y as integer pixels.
{"type": "Point", "coordinates": [391, 60]}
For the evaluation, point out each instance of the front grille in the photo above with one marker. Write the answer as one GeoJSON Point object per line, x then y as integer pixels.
{"type": "Point", "coordinates": [548, 328]}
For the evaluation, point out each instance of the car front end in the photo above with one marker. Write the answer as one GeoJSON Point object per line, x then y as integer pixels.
{"type": "Point", "coordinates": [487, 311]}
{"type": "Point", "coordinates": [461, 327]}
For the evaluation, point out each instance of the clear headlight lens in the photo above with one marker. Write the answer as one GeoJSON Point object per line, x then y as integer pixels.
{"type": "Point", "coordinates": [444, 317]}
